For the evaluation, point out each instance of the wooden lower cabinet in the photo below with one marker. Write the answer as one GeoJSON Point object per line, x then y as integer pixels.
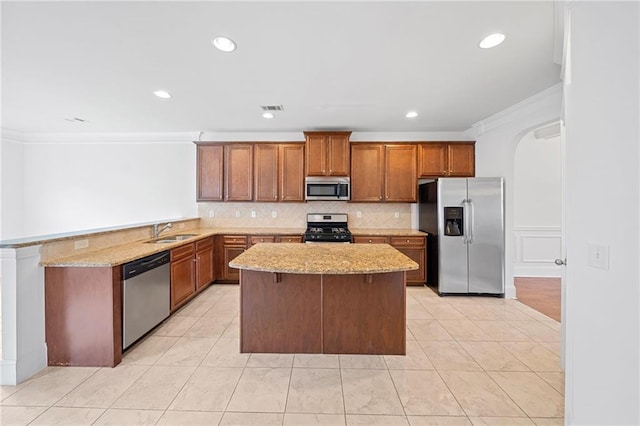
{"type": "Point", "coordinates": [230, 246]}
{"type": "Point", "coordinates": [205, 271]}
{"type": "Point", "coordinates": [83, 316]}
{"type": "Point", "coordinates": [183, 275]}
{"type": "Point", "coordinates": [288, 238]}
{"type": "Point", "coordinates": [414, 247]}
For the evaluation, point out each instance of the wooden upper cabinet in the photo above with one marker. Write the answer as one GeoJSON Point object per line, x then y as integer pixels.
{"type": "Point", "coordinates": [401, 179]}
{"type": "Point", "coordinates": [432, 159]}
{"type": "Point", "coordinates": [462, 159]}
{"type": "Point", "coordinates": [436, 159]}
{"type": "Point", "coordinates": [367, 172]}
{"type": "Point", "coordinates": [382, 172]}
{"type": "Point", "coordinates": [209, 172]}
{"type": "Point", "coordinates": [238, 182]}
{"type": "Point", "coordinates": [327, 153]}
{"type": "Point", "coordinates": [266, 172]}
{"type": "Point", "coordinates": [291, 172]}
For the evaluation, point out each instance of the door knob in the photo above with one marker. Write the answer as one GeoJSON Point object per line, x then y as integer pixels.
{"type": "Point", "coordinates": [561, 262]}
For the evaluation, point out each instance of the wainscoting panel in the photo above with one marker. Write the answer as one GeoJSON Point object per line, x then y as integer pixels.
{"type": "Point", "coordinates": [536, 250]}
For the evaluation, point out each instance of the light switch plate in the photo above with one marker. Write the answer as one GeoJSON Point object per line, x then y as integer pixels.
{"type": "Point", "coordinates": [237, 214]}
{"type": "Point", "coordinates": [212, 213]}
{"type": "Point", "coordinates": [598, 256]}
{"type": "Point", "coordinates": [358, 214]}
{"type": "Point", "coordinates": [253, 214]}
{"type": "Point", "coordinates": [396, 215]}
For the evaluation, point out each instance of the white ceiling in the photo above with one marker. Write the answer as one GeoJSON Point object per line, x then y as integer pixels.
{"type": "Point", "coordinates": [333, 65]}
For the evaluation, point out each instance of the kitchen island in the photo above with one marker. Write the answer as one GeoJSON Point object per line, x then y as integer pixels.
{"type": "Point", "coordinates": [323, 298]}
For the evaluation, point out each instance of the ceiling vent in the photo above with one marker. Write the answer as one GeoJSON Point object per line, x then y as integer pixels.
{"type": "Point", "coordinates": [272, 107]}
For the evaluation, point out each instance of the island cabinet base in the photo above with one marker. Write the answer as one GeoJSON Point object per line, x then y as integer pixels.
{"type": "Point", "coordinates": [322, 313]}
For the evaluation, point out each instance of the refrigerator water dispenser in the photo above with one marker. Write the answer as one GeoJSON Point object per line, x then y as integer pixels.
{"type": "Point", "coordinates": [453, 221]}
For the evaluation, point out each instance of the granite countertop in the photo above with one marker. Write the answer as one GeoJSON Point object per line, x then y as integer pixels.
{"type": "Point", "coordinates": [391, 232]}
{"type": "Point", "coordinates": [325, 258]}
{"type": "Point", "coordinates": [128, 252]}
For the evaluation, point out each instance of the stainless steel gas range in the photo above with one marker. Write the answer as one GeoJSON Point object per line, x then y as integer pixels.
{"type": "Point", "coordinates": [327, 228]}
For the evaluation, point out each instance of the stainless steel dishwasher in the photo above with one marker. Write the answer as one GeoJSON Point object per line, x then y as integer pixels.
{"type": "Point", "coordinates": [146, 291]}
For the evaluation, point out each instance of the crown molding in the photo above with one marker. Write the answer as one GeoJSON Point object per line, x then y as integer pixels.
{"type": "Point", "coordinates": [517, 111]}
{"type": "Point", "coordinates": [102, 138]}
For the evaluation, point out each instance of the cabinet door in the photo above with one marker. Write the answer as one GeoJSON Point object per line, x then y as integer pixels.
{"type": "Point", "coordinates": [462, 159]}
{"type": "Point", "coordinates": [210, 172]}
{"type": "Point", "coordinates": [238, 172]}
{"type": "Point", "coordinates": [291, 174]}
{"type": "Point", "coordinates": [316, 155]}
{"type": "Point", "coordinates": [228, 254]}
{"type": "Point", "coordinates": [266, 172]}
{"type": "Point", "coordinates": [367, 172]}
{"type": "Point", "coordinates": [338, 155]}
{"type": "Point", "coordinates": [418, 276]}
{"type": "Point", "coordinates": [401, 180]}
{"type": "Point", "coordinates": [432, 160]}
{"type": "Point", "coordinates": [205, 273]}
{"type": "Point", "coordinates": [182, 281]}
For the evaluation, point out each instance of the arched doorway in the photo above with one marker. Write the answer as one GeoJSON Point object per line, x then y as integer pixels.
{"type": "Point", "coordinates": [537, 227]}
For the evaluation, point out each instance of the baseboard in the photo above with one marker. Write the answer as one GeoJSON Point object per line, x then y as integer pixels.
{"type": "Point", "coordinates": [7, 373]}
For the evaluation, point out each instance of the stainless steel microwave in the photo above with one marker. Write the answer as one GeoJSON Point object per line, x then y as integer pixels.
{"type": "Point", "coordinates": [326, 188]}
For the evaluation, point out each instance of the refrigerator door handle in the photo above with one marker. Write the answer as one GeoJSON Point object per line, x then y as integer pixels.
{"type": "Point", "coordinates": [465, 220]}
{"type": "Point", "coordinates": [471, 224]}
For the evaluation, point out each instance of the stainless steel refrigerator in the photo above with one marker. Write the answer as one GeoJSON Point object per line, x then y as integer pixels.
{"type": "Point", "coordinates": [464, 219]}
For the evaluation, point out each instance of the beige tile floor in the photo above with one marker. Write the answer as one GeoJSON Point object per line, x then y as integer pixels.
{"type": "Point", "coordinates": [470, 361]}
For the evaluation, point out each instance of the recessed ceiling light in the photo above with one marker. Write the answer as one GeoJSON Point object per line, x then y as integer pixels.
{"type": "Point", "coordinates": [411, 114]}
{"type": "Point", "coordinates": [267, 115]}
{"type": "Point", "coordinates": [162, 94]}
{"type": "Point", "coordinates": [491, 41]}
{"type": "Point", "coordinates": [224, 43]}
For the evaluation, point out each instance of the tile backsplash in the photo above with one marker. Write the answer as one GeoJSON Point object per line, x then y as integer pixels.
{"type": "Point", "coordinates": [294, 215]}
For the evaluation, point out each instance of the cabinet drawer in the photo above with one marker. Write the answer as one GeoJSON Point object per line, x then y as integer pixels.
{"type": "Point", "coordinates": [182, 251]}
{"type": "Point", "coordinates": [289, 239]}
{"type": "Point", "coordinates": [255, 239]}
{"type": "Point", "coordinates": [370, 239]}
{"type": "Point", "coordinates": [204, 244]}
{"type": "Point", "coordinates": [234, 240]}
{"type": "Point", "coordinates": [408, 241]}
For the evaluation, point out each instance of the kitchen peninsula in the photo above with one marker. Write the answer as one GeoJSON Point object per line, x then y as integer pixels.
{"type": "Point", "coordinates": [323, 298]}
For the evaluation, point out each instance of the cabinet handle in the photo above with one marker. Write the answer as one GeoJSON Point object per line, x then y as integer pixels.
{"type": "Point", "coordinates": [369, 240]}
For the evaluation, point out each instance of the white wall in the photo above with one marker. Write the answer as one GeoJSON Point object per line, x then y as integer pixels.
{"type": "Point", "coordinates": [11, 187]}
{"type": "Point", "coordinates": [538, 206]}
{"type": "Point", "coordinates": [537, 182]}
{"type": "Point", "coordinates": [496, 140]}
{"type": "Point", "coordinates": [602, 202]}
{"type": "Point", "coordinates": [76, 186]}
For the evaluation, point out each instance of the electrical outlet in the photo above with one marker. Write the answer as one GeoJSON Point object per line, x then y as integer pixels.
{"type": "Point", "coordinates": [237, 214]}
{"type": "Point", "coordinates": [274, 214]}
{"type": "Point", "coordinates": [253, 214]}
{"type": "Point", "coordinates": [80, 244]}
{"type": "Point", "coordinates": [212, 213]}
{"type": "Point", "coordinates": [396, 215]}
{"type": "Point", "coordinates": [358, 214]}
{"type": "Point", "coordinates": [598, 256]}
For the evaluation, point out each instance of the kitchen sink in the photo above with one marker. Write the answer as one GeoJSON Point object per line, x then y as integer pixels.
{"type": "Point", "coordinates": [172, 238]}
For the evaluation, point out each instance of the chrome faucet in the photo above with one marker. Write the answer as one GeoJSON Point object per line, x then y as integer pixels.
{"type": "Point", "coordinates": [157, 230]}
